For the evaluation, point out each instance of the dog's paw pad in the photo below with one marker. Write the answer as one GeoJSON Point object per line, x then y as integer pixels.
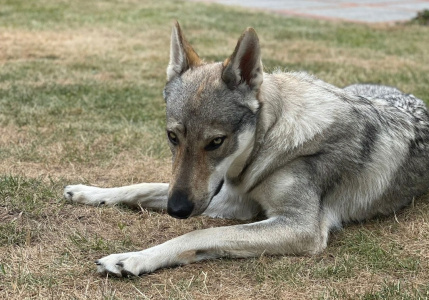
{"type": "Point", "coordinates": [125, 273]}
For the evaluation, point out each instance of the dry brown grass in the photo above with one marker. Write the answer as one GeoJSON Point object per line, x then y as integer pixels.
{"type": "Point", "coordinates": [52, 265]}
{"type": "Point", "coordinates": [124, 168]}
{"type": "Point", "coordinates": [79, 46]}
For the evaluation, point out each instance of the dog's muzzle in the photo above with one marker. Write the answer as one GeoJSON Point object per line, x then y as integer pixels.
{"type": "Point", "coordinates": [179, 205]}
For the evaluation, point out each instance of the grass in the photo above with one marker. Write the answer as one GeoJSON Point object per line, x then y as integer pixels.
{"type": "Point", "coordinates": [81, 102]}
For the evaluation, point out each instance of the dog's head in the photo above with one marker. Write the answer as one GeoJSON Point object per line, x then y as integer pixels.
{"type": "Point", "coordinates": [211, 119]}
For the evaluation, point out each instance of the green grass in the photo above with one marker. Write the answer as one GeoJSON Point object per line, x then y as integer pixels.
{"type": "Point", "coordinates": [81, 101]}
{"type": "Point", "coordinates": [369, 248]}
{"type": "Point", "coordinates": [27, 196]}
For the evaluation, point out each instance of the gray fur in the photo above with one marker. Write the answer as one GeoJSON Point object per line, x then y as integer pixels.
{"type": "Point", "coordinates": [306, 154]}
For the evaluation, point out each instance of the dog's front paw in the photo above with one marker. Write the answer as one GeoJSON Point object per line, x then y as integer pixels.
{"type": "Point", "coordinates": [126, 264]}
{"type": "Point", "coordinates": [85, 194]}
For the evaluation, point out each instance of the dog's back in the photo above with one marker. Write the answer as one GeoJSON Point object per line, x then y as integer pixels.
{"type": "Point", "coordinates": [403, 124]}
{"type": "Point", "coordinates": [390, 167]}
{"type": "Point", "coordinates": [392, 95]}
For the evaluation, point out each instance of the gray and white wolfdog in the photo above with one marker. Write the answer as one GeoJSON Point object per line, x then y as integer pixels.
{"type": "Point", "coordinates": [307, 155]}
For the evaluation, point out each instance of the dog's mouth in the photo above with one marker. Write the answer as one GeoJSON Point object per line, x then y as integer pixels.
{"type": "Point", "coordinates": [219, 187]}
{"type": "Point", "coordinates": [197, 211]}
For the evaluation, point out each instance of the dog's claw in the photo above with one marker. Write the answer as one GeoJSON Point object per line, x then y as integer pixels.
{"type": "Point", "coordinates": [125, 273]}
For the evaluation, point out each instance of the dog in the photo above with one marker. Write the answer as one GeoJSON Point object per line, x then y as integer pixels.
{"type": "Point", "coordinates": [307, 155]}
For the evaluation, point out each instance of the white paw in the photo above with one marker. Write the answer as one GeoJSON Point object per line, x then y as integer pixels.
{"type": "Point", "coordinates": [86, 194]}
{"type": "Point", "coordinates": [126, 264]}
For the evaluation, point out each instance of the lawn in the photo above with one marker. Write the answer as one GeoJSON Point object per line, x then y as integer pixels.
{"type": "Point", "coordinates": [81, 102]}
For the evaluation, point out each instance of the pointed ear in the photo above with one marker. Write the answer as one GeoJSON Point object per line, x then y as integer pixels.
{"type": "Point", "coordinates": [244, 66]}
{"type": "Point", "coordinates": [182, 56]}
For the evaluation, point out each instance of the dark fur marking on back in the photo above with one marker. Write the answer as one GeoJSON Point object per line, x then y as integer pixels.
{"type": "Point", "coordinates": [318, 174]}
{"type": "Point", "coordinates": [420, 141]}
{"type": "Point", "coordinates": [369, 138]}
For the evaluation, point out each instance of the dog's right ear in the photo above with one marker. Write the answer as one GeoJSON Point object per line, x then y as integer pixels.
{"type": "Point", "coordinates": [244, 66]}
{"type": "Point", "coordinates": [182, 55]}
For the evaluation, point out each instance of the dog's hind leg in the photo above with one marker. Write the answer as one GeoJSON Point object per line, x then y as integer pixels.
{"type": "Point", "coordinates": [147, 195]}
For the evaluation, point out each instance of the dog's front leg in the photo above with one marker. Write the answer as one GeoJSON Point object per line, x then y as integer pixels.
{"type": "Point", "coordinates": [148, 195]}
{"type": "Point", "coordinates": [277, 235]}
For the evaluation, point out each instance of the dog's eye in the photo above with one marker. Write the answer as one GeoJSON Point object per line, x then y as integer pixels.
{"type": "Point", "coordinates": [172, 137]}
{"type": "Point", "coordinates": [215, 143]}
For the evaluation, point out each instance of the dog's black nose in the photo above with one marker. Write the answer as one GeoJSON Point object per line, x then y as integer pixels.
{"type": "Point", "coordinates": [179, 205]}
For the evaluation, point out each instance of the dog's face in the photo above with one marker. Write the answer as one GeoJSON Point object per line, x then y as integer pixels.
{"type": "Point", "coordinates": [211, 119]}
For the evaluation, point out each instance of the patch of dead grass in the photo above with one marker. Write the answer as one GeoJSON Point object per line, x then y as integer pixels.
{"type": "Point", "coordinates": [11, 135]}
{"type": "Point", "coordinates": [117, 57]}
{"type": "Point", "coordinates": [125, 168]}
{"type": "Point", "coordinates": [54, 256]}
{"type": "Point", "coordinates": [75, 45]}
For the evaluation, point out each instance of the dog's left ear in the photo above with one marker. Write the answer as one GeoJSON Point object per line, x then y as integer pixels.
{"type": "Point", "coordinates": [182, 55]}
{"type": "Point", "coordinates": [244, 66]}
